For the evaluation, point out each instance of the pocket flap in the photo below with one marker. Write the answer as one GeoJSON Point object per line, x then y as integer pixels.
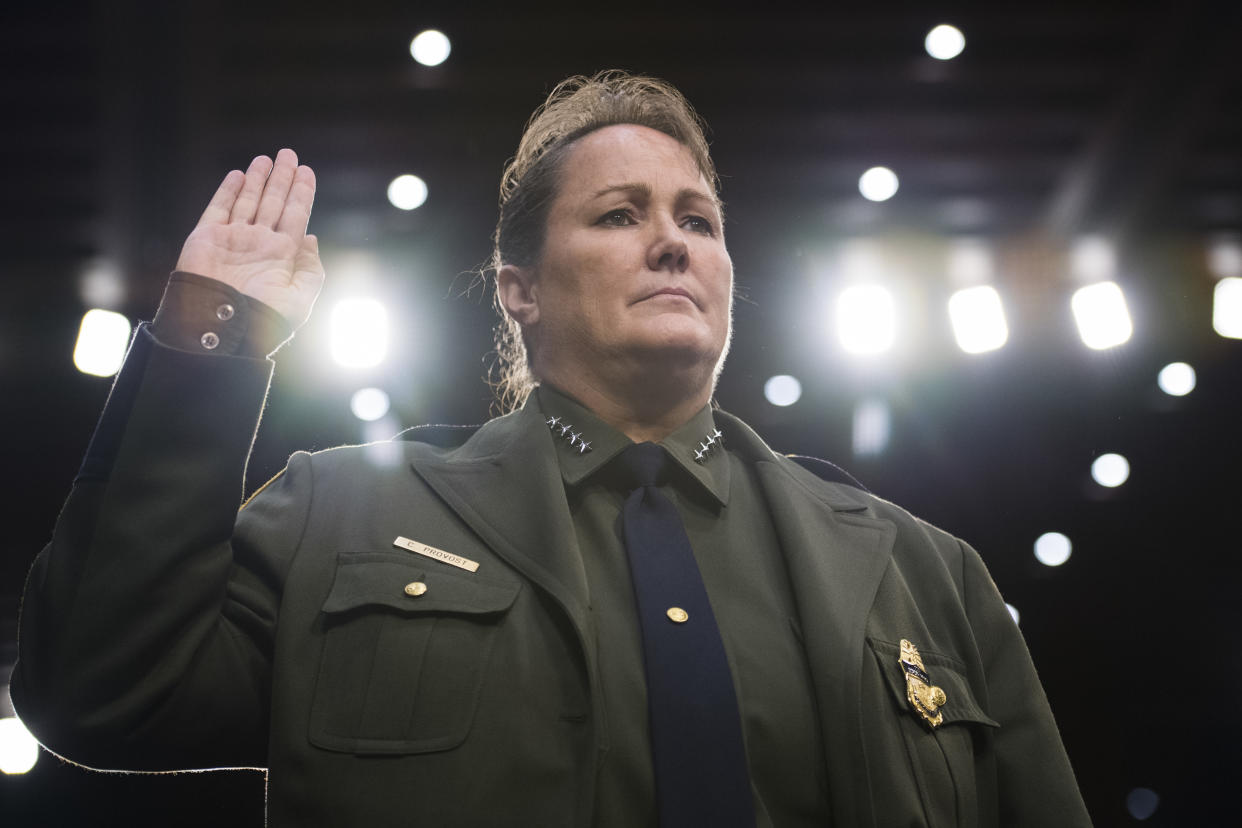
{"type": "Point", "coordinates": [945, 672]}
{"type": "Point", "coordinates": [381, 579]}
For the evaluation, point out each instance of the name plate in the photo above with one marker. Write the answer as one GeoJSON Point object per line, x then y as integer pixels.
{"type": "Point", "coordinates": [439, 554]}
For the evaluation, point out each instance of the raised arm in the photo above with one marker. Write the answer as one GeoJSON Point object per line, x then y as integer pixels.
{"type": "Point", "coordinates": [145, 638]}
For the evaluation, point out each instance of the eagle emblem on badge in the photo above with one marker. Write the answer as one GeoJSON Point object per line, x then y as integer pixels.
{"type": "Point", "coordinates": [924, 696]}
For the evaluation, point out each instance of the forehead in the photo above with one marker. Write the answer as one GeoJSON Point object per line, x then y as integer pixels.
{"type": "Point", "coordinates": [629, 154]}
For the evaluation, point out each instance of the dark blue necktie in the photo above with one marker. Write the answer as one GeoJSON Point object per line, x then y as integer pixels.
{"type": "Point", "coordinates": [701, 776]}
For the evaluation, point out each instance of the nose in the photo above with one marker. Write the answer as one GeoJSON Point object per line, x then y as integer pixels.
{"type": "Point", "coordinates": [668, 249]}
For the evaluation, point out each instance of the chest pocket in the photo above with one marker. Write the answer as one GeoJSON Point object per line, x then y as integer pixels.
{"type": "Point", "coordinates": [942, 759]}
{"type": "Point", "coordinates": [406, 648]}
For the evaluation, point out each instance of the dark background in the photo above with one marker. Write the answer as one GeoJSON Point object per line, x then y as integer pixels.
{"type": "Point", "coordinates": [1121, 119]}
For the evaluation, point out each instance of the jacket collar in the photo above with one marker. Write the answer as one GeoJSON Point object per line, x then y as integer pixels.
{"type": "Point", "coordinates": [742, 438]}
{"type": "Point", "coordinates": [585, 443]}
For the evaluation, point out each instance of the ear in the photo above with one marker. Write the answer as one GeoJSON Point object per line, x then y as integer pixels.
{"type": "Point", "coordinates": [516, 288]}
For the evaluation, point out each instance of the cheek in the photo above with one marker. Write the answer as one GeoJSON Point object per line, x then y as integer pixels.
{"type": "Point", "coordinates": [722, 280]}
{"type": "Point", "coordinates": [600, 283]}
{"type": "Point", "coordinates": [581, 270]}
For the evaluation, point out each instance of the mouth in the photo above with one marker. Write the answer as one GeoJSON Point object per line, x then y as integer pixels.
{"type": "Point", "coordinates": [671, 291]}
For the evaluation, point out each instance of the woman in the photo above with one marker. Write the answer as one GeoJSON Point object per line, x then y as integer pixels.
{"type": "Point", "coordinates": [464, 639]}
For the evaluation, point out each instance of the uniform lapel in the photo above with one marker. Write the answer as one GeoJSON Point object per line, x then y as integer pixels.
{"type": "Point", "coordinates": [837, 555]}
{"type": "Point", "coordinates": [505, 484]}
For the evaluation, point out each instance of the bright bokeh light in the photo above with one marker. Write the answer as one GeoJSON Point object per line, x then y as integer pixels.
{"type": "Point", "coordinates": [1013, 612]}
{"type": "Point", "coordinates": [359, 330]}
{"type": "Point", "coordinates": [978, 319]}
{"type": "Point", "coordinates": [102, 339]}
{"type": "Point", "coordinates": [430, 47]}
{"type": "Point", "coordinates": [1142, 803]}
{"type": "Point", "coordinates": [369, 404]}
{"type": "Point", "coordinates": [872, 427]}
{"type": "Point", "coordinates": [1102, 316]}
{"type": "Point", "coordinates": [782, 390]}
{"type": "Point", "coordinates": [878, 184]}
{"type": "Point", "coordinates": [1093, 259]}
{"type": "Point", "coordinates": [945, 42]}
{"type": "Point", "coordinates": [18, 749]}
{"type": "Point", "coordinates": [1110, 470]}
{"type": "Point", "coordinates": [1227, 308]}
{"type": "Point", "coordinates": [1052, 549]}
{"type": "Point", "coordinates": [1177, 379]}
{"type": "Point", "coordinates": [407, 192]}
{"type": "Point", "coordinates": [866, 319]}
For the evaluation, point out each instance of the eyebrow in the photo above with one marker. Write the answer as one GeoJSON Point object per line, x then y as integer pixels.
{"type": "Point", "coordinates": [645, 191]}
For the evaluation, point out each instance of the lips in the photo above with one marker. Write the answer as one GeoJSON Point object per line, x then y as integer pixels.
{"type": "Point", "coordinates": [670, 291]}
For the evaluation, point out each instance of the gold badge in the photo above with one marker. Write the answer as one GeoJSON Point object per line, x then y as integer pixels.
{"type": "Point", "coordinates": [924, 697]}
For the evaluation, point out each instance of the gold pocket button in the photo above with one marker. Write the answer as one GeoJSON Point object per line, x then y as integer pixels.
{"type": "Point", "coordinates": [678, 615]}
{"type": "Point", "coordinates": [415, 588]}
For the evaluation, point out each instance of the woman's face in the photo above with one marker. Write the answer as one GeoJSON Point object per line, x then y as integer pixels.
{"type": "Point", "coordinates": [634, 269]}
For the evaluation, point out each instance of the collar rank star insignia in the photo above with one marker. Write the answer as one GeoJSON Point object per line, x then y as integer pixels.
{"type": "Point", "coordinates": [924, 697]}
{"type": "Point", "coordinates": [707, 445]}
{"type": "Point", "coordinates": [566, 432]}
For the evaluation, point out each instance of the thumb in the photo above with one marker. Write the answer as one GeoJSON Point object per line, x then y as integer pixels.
{"type": "Point", "coordinates": [308, 256]}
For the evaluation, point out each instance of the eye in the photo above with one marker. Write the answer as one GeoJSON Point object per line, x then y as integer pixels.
{"type": "Point", "coordinates": [698, 224]}
{"type": "Point", "coordinates": [616, 218]}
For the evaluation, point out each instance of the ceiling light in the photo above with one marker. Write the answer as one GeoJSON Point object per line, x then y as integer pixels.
{"type": "Point", "coordinates": [430, 48]}
{"type": "Point", "coordinates": [945, 42]}
{"type": "Point", "coordinates": [878, 184]}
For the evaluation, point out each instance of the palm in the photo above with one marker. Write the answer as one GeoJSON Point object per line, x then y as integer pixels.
{"type": "Point", "coordinates": [252, 236]}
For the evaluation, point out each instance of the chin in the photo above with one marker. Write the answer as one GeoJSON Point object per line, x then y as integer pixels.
{"type": "Point", "coordinates": [680, 353]}
{"type": "Point", "coordinates": [679, 333]}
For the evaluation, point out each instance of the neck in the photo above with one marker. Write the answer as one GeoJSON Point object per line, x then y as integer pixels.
{"type": "Point", "coordinates": [649, 407]}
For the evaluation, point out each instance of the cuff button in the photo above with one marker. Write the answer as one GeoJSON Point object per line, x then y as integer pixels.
{"type": "Point", "coordinates": [225, 312]}
{"type": "Point", "coordinates": [209, 341]}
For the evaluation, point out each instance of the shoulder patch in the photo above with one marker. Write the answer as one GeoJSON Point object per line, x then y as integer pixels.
{"type": "Point", "coordinates": [827, 471]}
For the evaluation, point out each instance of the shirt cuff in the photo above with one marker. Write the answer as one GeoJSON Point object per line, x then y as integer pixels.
{"type": "Point", "coordinates": [203, 315]}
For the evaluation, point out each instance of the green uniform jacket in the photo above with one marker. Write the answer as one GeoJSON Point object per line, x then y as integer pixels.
{"type": "Point", "coordinates": [162, 629]}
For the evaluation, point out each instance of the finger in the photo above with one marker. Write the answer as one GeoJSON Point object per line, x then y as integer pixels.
{"type": "Point", "coordinates": [248, 199]}
{"type": "Point", "coordinates": [272, 203]}
{"type": "Point", "coordinates": [221, 204]}
{"type": "Point", "coordinates": [298, 203]}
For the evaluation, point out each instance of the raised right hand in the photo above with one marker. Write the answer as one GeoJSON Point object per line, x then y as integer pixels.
{"type": "Point", "coordinates": [253, 236]}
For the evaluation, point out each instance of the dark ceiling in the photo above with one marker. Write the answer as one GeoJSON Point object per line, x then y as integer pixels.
{"type": "Point", "coordinates": [1121, 120]}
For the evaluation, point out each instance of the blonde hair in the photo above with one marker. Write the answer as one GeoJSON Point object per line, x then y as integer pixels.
{"type": "Point", "coordinates": [575, 108]}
